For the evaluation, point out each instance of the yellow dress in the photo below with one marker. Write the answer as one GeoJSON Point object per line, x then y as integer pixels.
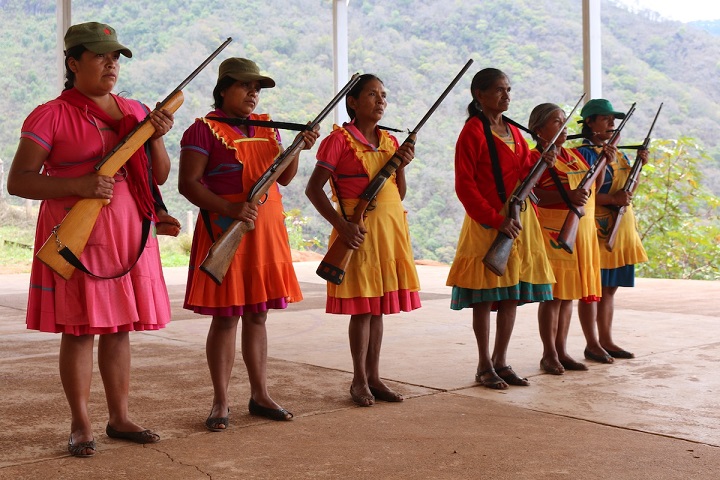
{"type": "Point", "coordinates": [577, 273]}
{"type": "Point", "coordinates": [381, 277]}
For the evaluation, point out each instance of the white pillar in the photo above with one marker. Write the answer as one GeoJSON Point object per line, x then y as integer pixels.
{"type": "Point", "coordinates": [592, 50]}
{"type": "Point", "coordinates": [62, 12]}
{"type": "Point", "coordinates": [340, 54]}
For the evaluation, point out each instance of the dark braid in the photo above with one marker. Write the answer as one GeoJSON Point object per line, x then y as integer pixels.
{"type": "Point", "coordinates": [73, 52]}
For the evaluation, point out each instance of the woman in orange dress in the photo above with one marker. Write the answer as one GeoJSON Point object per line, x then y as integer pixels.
{"type": "Point", "coordinates": [219, 163]}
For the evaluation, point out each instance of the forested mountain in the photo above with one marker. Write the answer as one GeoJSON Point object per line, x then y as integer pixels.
{"type": "Point", "coordinates": [415, 46]}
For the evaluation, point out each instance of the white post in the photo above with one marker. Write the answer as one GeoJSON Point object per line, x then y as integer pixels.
{"type": "Point", "coordinates": [62, 11]}
{"type": "Point", "coordinates": [340, 54]}
{"type": "Point", "coordinates": [592, 51]}
{"type": "Point", "coordinates": [189, 227]}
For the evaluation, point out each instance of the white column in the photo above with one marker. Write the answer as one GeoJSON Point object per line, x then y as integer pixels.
{"type": "Point", "coordinates": [340, 54]}
{"type": "Point", "coordinates": [62, 12]}
{"type": "Point", "coordinates": [592, 50]}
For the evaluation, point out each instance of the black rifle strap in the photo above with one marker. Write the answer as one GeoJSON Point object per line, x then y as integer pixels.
{"type": "Point", "coordinates": [70, 257]}
{"type": "Point", "coordinates": [494, 159]}
{"type": "Point", "coordinates": [517, 125]}
{"type": "Point", "coordinates": [206, 220]}
{"type": "Point", "coordinates": [337, 195]}
{"type": "Point", "coordinates": [562, 191]}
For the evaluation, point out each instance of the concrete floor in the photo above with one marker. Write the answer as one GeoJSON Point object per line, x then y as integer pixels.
{"type": "Point", "coordinates": [653, 417]}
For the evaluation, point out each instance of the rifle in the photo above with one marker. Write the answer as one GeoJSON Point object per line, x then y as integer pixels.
{"type": "Point", "coordinates": [497, 256]}
{"type": "Point", "coordinates": [223, 250]}
{"type": "Point", "coordinates": [71, 235]}
{"type": "Point", "coordinates": [333, 265]}
{"type": "Point", "coordinates": [568, 232]}
{"type": "Point", "coordinates": [630, 184]}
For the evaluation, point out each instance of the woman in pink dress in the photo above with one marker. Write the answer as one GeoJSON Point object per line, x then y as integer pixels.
{"type": "Point", "coordinates": [60, 143]}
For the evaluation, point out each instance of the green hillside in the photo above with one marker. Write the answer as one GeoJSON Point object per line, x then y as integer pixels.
{"type": "Point", "coordinates": [415, 46]}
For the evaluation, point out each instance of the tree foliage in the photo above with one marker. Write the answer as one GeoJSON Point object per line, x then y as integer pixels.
{"type": "Point", "coordinates": [415, 46]}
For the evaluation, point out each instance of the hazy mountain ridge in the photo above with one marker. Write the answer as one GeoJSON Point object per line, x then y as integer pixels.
{"type": "Point", "coordinates": [416, 47]}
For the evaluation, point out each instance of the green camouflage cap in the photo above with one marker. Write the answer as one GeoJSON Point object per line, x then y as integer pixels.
{"type": "Point", "coordinates": [96, 37]}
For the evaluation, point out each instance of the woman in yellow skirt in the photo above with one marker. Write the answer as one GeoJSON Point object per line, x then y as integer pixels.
{"type": "Point", "coordinates": [577, 273]}
{"type": "Point", "coordinates": [618, 266]}
{"type": "Point", "coordinates": [381, 278]}
{"type": "Point", "coordinates": [491, 158]}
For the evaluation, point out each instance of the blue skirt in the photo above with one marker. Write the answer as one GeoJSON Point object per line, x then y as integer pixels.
{"type": "Point", "coordinates": [618, 277]}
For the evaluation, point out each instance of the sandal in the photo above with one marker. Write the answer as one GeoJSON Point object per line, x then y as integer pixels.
{"type": "Point", "coordinates": [494, 382]}
{"type": "Point", "coordinates": [80, 449]}
{"type": "Point", "coordinates": [551, 369]}
{"type": "Point", "coordinates": [212, 423]}
{"type": "Point", "coordinates": [602, 358]}
{"type": "Point", "coordinates": [573, 365]}
{"type": "Point", "coordinates": [386, 395]}
{"type": "Point", "coordinates": [362, 400]}
{"type": "Point", "coordinates": [142, 437]}
{"type": "Point", "coordinates": [510, 377]}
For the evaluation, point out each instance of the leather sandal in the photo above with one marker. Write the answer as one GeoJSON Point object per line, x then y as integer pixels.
{"type": "Point", "coordinates": [362, 400]}
{"type": "Point", "coordinates": [494, 382]}
{"type": "Point", "coordinates": [80, 449]}
{"type": "Point", "coordinates": [606, 358]}
{"type": "Point", "coordinates": [510, 377]}
{"type": "Point", "coordinates": [620, 353]}
{"type": "Point", "coordinates": [551, 369]}
{"type": "Point", "coordinates": [386, 395]}
{"type": "Point", "coordinates": [573, 365]}
{"type": "Point", "coordinates": [212, 422]}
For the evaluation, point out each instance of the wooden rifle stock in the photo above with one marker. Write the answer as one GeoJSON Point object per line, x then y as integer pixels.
{"type": "Point", "coordinates": [74, 231]}
{"type": "Point", "coordinates": [568, 232]}
{"type": "Point", "coordinates": [630, 185]}
{"type": "Point", "coordinates": [334, 264]}
{"type": "Point", "coordinates": [498, 254]}
{"type": "Point", "coordinates": [222, 251]}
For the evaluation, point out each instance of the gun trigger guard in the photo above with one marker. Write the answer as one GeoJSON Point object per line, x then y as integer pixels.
{"type": "Point", "coordinates": [371, 206]}
{"type": "Point", "coordinates": [523, 205]}
{"type": "Point", "coordinates": [58, 243]}
{"type": "Point", "coordinates": [264, 199]}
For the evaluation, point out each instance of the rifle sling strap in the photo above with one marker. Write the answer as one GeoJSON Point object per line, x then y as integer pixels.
{"type": "Point", "coordinates": [206, 220]}
{"type": "Point", "coordinates": [494, 159]}
{"type": "Point", "coordinates": [70, 257]}
{"type": "Point", "coordinates": [563, 192]}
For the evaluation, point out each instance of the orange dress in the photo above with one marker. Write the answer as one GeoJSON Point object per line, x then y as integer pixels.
{"type": "Point", "coordinates": [261, 274]}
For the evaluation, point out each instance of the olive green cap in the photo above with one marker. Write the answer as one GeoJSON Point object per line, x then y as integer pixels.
{"type": "Point", "coordinates": [96, 37]}
{"type": "Point", "coordinates": [243, 70]}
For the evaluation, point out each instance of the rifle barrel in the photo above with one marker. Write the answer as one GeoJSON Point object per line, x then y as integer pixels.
{"type": "Point", "coordinates": [442, 97]}
{"type": "Point", "coordinates": [182, 85]}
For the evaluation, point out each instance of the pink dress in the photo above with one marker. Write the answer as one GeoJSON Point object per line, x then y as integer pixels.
{"type": "Point", "coordinates": [84, 304]}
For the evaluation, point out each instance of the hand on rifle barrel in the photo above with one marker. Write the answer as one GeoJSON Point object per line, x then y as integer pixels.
{"type": "Point", "coordinates": [309, 136]}
{"type": "Point", "coordinates": [643, 155]}
{"type": "Point", "coordinates": [549, 156]}
{"type": "Point", "coordinates": [621, 198]}
{"type": "Point", "coordinates": [406, 152]}
{"type": "Point", "coordinates": [510, 227]}
{"type": "Point", "coordinates": [93, 185]}
{"type": "Point", "coordinates": [162, 121]}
